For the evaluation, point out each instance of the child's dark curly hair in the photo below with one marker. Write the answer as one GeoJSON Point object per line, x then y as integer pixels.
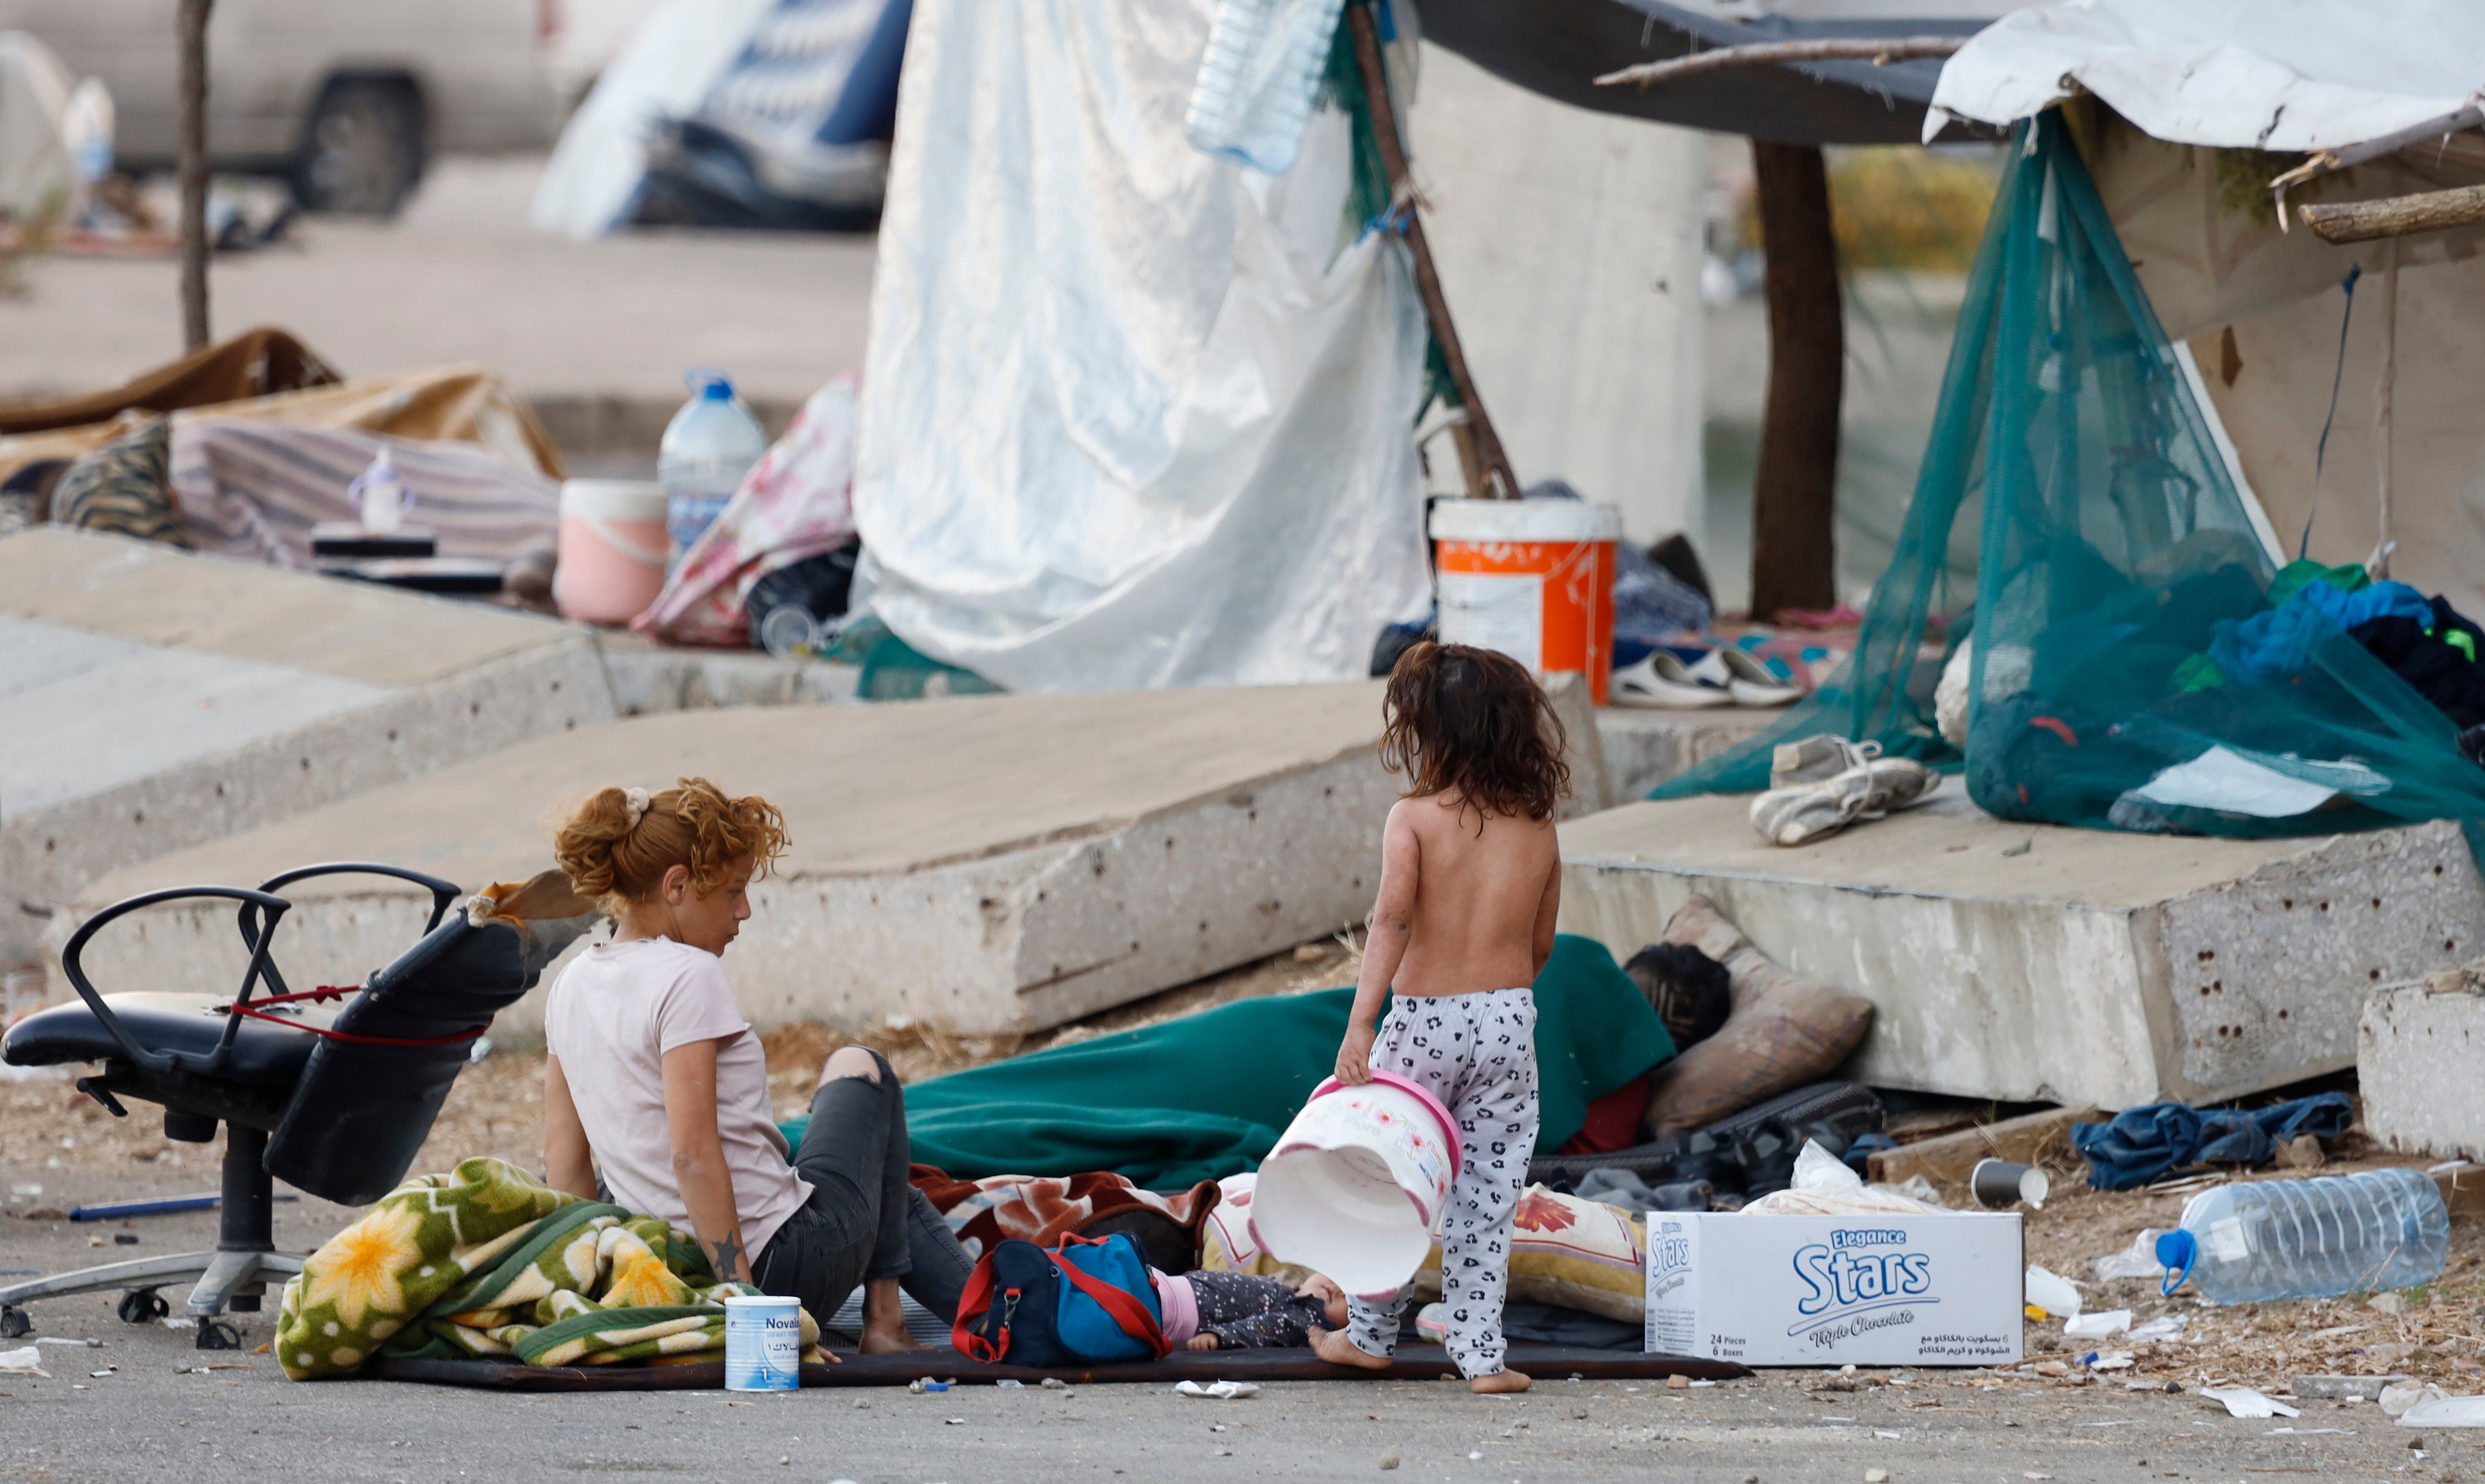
{"type": "Point", "coordinates": [1475, 722]}
{"type": "Point", "coordinates": [617, 860]}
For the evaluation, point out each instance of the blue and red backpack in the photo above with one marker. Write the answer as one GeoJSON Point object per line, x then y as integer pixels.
{"type": "Point", "coordinates": [1087, 1301]}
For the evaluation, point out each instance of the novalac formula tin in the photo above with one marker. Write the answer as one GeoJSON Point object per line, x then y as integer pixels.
{"type": "Point", "coordinates": [763, 1343]}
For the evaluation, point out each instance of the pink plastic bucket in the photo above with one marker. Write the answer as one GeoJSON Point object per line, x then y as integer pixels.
{"type": "Point", "coordinates": [1356, 1183]}
{"type": "Point", "coordinates": [613, 548]}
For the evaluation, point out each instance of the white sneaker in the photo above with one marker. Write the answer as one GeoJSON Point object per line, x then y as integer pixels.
{"type": "Point", "coordinates": [1800, 812]}
{"type": "Point", "coordinates": [1662, 680]}
{"type": "Point", "coordinates": [1746, 679]}
{"type": "Point", "coordinates": [1816, 758]}
{"type": "Point", "coordinates": [1805, 812]}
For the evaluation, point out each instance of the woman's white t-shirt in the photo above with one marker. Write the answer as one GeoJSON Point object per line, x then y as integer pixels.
{"type": "Point", "coordinates": [612, 1016]}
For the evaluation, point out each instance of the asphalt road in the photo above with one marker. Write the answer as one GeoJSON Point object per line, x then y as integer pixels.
{"type": "Point", "coordinates": [150, 1417]}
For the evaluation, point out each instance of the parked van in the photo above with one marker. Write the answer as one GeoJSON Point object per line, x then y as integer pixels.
{"type": "Point", "coordinates": [347, 100]}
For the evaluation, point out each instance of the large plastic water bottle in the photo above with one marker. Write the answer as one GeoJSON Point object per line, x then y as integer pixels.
{"type": "Point", "coordinates": [707, 448]}
{"type": "Point", "coordinates": [1258, 78]}
{"type": "Point", "coordinates": [2257, 1240]}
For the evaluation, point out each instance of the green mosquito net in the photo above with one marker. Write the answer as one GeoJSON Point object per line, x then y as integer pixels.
{"type": "Point", "coordinates": [2136, 660]}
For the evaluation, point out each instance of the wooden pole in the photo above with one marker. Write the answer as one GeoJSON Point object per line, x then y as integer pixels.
{"type": "Point", "coordinates": [2395, 216]}
{"type": "Point", "coordinates": [1794, 492]}
{"type": "Point", "coordinates": [2383, 384]}
{"type": "Point", "coordinates": [1427, 281]}
{"type": "Point", "coordinates": [1880, 53]}
{"type": "Point", "coordinates": [190, 143]}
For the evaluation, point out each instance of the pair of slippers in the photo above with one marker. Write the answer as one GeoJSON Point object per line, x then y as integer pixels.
{"type": "Point", "coordinates": [1725, 676]}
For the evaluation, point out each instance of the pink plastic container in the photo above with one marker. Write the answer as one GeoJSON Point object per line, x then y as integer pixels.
{"type": "Point", "coordinates": [612, 551]}
{"type": "Point", "coordinates": [1355, 1185]}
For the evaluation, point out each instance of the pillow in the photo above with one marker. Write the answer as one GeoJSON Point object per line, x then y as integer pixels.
{"type": "Point", "coordinates": [1785, 1031]}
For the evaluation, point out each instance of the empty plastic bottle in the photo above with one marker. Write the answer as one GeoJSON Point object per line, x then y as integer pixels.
{"type": "Point", "coordinates": [1258, 78]}
{"type": "Point", "coordinates": [2258, 1240]}
{"type": "Point", "coordinates": [707, 448]}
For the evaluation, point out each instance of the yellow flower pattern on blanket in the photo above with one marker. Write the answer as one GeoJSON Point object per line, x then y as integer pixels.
{"type": "Point", "coordinates": [364, 1262]}
{"type": "Point", "coordinates": [488, 1262]}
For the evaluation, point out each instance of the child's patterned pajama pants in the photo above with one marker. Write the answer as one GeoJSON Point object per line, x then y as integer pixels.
{"type": "Point", "coordinates": [1476, 1054]}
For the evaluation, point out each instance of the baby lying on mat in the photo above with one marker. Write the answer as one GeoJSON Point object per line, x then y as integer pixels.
{"type": "Point", "coordinates": [1211, 1311]}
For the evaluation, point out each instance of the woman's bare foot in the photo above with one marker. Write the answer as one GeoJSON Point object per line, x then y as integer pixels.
{"type": "Point", "coordinates": [1498, 1382]}
{"type": "Point", "coordinates": [1333, 1346]}
{"type": "Point", "coordinates": [888, 1342]}
{"type": "Point", "coordinates": [883, 1319]}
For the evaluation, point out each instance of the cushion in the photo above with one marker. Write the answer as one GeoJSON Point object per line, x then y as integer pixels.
{"type": "Point", "coordinates": [1785, 1030]}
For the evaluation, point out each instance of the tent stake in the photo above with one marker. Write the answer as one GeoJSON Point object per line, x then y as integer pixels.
{"type": "Point", "coordinates": [1427, 281]}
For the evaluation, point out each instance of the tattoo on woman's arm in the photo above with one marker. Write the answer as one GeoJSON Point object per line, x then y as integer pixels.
{"type": "Point", "coordinates": [726, 1252]}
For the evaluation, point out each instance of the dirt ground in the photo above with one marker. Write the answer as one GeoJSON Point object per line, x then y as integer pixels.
{"type": "Point", "coordinates": [48, 1133]}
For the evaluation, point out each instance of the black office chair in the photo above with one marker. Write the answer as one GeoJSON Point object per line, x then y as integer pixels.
{"type": "Point", "coordinates": [332, 1088]}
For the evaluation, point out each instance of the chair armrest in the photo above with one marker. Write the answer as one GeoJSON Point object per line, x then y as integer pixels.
{"type": "Point", "coordinates": [254, 901]}
{"type": "Point", "coordinates": [442, 892]}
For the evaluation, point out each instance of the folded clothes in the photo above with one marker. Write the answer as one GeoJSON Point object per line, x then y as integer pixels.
{"type": "Point", "coordinates": [2137, 1144]}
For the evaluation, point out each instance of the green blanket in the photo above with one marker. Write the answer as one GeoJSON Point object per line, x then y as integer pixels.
{"type": "Point", "coordinates": [1205, 1096]}
{"type": "Point", "coordinates": [490, 1261]}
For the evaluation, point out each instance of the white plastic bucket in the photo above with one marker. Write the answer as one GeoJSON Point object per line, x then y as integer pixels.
{"type": "Point", "coordinates": [763, 1343]}
{"type": "Point", "coordinates": [1356, 1183]}
{"type": "Point", "coordinates": [613, 547]}
{"type": "Point", "coordinates": [1533, 579]}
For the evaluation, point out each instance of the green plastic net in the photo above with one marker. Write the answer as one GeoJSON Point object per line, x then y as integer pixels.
{"type": "Point", "coordinates": [2138, 662]}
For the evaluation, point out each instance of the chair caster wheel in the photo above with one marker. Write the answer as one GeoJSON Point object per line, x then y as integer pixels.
{"type": "Point", "coordinates": [15, 1325]}
{"type": "Point", "coordinates": [216, 1334]}
{"type": "Point", "coordinates": [140, 1306]}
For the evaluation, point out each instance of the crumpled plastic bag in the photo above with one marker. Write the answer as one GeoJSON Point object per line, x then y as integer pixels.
{"type": "Point", "coordinates": [2137, 1260]}
{"type": "Point", "coordinates": [1824, 1186]}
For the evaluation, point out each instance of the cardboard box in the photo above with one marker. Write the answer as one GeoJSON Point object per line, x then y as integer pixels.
{"type": "Point", "coordinates": [1831, 1290]}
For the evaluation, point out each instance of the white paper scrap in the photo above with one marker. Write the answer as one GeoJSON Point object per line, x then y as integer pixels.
{"type": "Point", "coordinates": [2242, 1401]}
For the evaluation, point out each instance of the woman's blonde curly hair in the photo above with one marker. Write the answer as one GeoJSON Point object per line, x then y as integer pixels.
{"type": "Point", "coordinates": [617, 859]}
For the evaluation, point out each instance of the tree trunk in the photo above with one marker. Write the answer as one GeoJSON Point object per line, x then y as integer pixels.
{"type": "Point", "coordinates": [190, 143]}
{"type": "Point", "coordinates": [1794, 496]}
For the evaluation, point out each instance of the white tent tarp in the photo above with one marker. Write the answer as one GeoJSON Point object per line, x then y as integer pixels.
{"type": "Point", "coordinates": [1131, 417]}
{"type": "Point", "coordinates": [2285, 75]}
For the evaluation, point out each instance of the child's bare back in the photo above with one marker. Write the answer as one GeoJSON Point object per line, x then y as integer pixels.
{"type": "Point", "coordinates": [1474, 893]}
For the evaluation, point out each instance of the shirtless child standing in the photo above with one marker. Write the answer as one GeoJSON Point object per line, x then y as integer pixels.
{"type": "Point", "coordinates": [1470, 881]}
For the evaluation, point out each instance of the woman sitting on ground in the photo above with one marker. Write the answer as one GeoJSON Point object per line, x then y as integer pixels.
{"type": "Point", "coordinates": [656, 1080]}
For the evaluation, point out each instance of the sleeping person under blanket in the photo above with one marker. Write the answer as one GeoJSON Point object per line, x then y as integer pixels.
{"type": "Point", "coordinates": [1211, 1311]}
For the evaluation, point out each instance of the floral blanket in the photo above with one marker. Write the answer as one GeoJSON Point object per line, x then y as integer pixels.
{"type": "Point", "coordinates": [488, 1262]}
{"type": "Point", "coordinates": [1044, 1208]}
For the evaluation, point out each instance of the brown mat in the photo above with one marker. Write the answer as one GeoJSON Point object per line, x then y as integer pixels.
{"type": "Point", "coordinates": [257, 362]}
{"type": "Point", "coordinates": [1414, 1363]}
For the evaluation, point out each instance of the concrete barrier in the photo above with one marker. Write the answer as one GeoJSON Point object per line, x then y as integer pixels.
{"type": "Point", "coordinates": [2417, 1059]}
{"type": "Point", "coordinates": [2043, 964]}
{"type": "Point", "coordinates": [988, 864]}
{"type": "Point", "coordinates": [151, 699]}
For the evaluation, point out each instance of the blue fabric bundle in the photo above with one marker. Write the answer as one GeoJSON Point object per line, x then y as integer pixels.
{"type": "Point", "coordinates": [2140, 1143]}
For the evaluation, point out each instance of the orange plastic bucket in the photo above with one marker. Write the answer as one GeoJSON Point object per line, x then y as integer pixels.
{"type": "Point", "coordinates": [1533, 579]}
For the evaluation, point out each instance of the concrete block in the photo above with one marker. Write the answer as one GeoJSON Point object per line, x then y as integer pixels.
{"type": "Point", "coordinates": [1644, 747]}
{"type": "Point", "coordinates": [647, 680]}
{"type": "Point", "coordinates": [987, 864]}
{"type": "Point", "coordinates": [2043, 964]}
{"type": "Point", "coordinates": [2418, 1050]}
{"type": "Point", "coordinates": [151, 699]}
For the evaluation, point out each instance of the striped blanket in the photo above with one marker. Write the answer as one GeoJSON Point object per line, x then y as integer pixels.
{"type": "Point", "coordinates": [254, 489]}
{"type": "Point", "coordinates": [487, 1262]}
